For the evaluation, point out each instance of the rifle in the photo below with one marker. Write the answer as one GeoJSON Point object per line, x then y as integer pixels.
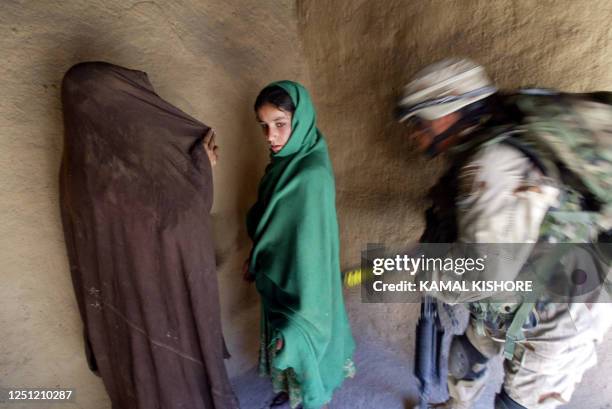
{"type": "Point", "coordinates": [429, 338]}
{"type": "Point", "coordinates": [428, 350]}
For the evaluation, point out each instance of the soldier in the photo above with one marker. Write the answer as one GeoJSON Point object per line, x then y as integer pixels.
{"type": "Point", "coordinates": [509, 168]}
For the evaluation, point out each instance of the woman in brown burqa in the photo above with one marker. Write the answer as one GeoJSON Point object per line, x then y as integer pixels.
{"type": "Point", "coordinates": [136, 191]}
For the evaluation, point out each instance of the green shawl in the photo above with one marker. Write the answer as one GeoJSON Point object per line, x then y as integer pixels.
{"type": "Point", "coordinates": [295, 257]}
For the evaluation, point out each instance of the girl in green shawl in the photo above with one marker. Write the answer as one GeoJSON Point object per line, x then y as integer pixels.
{"type": "Point", "coordinates": [306, 341]}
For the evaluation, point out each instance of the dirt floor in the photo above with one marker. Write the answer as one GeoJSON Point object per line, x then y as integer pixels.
{"type": "Point", "coordinates": [354, 56]}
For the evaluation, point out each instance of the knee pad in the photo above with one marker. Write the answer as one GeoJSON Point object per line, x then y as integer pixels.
{"type": "Point", "coordinates": [504, 401]}
{"type": "Point", "coordinates": [463, 357]}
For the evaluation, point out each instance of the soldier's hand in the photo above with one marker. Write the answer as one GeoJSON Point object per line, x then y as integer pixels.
{"type": "Point", "coordinates": [211, 148]}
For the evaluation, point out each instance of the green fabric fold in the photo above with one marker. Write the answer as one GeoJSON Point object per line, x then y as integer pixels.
{"type": "Point", "coordinates": [295, 257]}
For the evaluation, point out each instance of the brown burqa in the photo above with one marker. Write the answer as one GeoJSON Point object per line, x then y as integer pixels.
{"type": "Point", "coordinates": [136, 191]}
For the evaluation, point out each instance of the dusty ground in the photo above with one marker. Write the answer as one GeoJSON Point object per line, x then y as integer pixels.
{"type": "Point", "coordinates": [210, 58]}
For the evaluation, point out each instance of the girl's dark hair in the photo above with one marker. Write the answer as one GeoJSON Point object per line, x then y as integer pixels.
{"type": "Point", "coordinates": [276, 96]}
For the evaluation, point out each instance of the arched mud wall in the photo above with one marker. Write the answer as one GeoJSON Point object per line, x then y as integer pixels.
{"type": "Point", "coordinates": [210, 58]}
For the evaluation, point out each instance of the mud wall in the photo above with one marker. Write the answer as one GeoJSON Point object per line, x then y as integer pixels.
{"type": "Point", "coordinates": [361, 53]}
{"type": "Point", "coordinates": [210, 58]}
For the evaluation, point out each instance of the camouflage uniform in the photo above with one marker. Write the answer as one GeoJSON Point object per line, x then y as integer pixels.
{"type": "Point", "coordinates": [501, 196]}
{"type": "Point", "coordinates": [498, 188]}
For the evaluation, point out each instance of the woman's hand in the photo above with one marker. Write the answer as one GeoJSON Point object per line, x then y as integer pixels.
{"type": "Point", "coordinates": [212, 150]}
{"type": "Point", "coordinates": [246, 274]}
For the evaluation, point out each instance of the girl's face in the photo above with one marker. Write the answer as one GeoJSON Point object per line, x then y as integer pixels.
{"type": "Point", "coordinates": [276, 125]}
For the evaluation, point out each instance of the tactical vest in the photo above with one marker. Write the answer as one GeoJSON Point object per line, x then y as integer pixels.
{"type": "Point", "coordinates": [569, 138]}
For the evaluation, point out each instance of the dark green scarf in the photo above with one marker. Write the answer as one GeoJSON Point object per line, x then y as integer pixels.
{"type": "Point", "coordinates": [295, 257]}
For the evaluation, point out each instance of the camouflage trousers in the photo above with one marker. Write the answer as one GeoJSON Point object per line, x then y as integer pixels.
{"type": "Point", "coordinates": [548, 364]}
